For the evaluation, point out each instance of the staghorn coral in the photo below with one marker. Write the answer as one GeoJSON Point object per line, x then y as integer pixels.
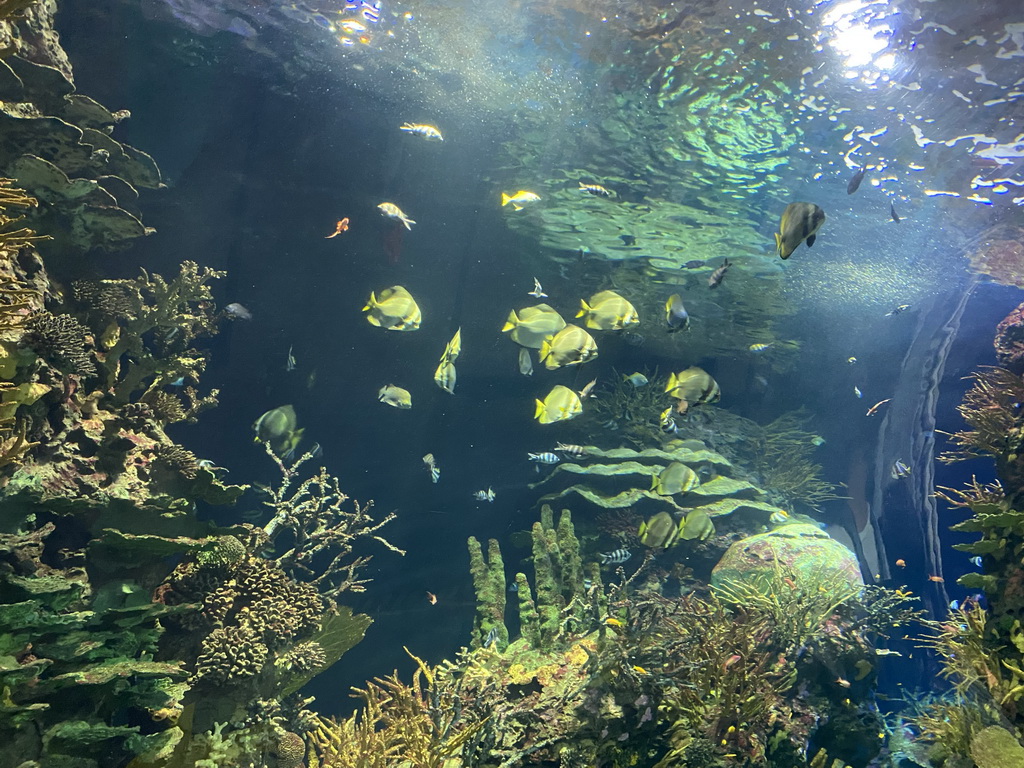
{"type": "Point", "coordinates": [60, 340]}
{"type": "Point", "coordinates": [174, 458]}
{"type": "Point", "coordinates": [311, 523]}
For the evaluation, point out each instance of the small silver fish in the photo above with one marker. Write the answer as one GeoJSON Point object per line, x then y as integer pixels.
{"type": "Point", "coordinates": [236, 311]}
{"type": "Point", "coordinates": [886, 652]}
{"type": "Point", "coordinates": [289, 363]}
{"type": "Point", "coordinates": [899, 470]}
{"type": "Point", "coordinates": [954, 605]}
{"type": "Point", "coordinates": [487, 495]}
{"type": "Point", "coordinates": [544, 458]}
{"type": "Point", "coordinates": [616, 557]}
{"type": "Point", "coordinates": [525, 362]}
{"type": "Point", "coordinates": [637, 380]}
{"type": "Point", "coordinates": [435, 472]}
{"type": "Point", "coordinates": [588, 390]}
{"type": "Point", "coordinates": [976, 561]}
{"type": "Point", "coordinates": [857, 392]}
{"type": "Point", "coordinates": [537, 292]}
{"type": "Point", "coordinates": [851, 360]}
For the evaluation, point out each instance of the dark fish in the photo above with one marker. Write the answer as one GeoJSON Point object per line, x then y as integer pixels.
{"type": "Point", "coordinates": [718, 275]}
{"type": "Point", "coordinates": [858, 177]}
{"type": "Point", "coordinates": [237, 312]}
{"type": "Point", "coordinates": [633, 339]}
{"type": "Point", "coordinates": [627, 239]}
{"type": "Point", "coordinates": [675, 314]}
{"type": "Point", "coordinates": [892, 212]}
{"type": "Point", "coordinates": [616, 557]}
{"type": "Point", "coordinates": [897, 310]}
{"type": "Point", "coordinates": [694, 264]}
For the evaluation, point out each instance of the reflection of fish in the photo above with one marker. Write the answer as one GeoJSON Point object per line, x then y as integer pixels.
{"type": "Point", "coordinates": [537, 292]}
{"type": "Point", "coordinates": [694, 264]}
{"type": "Point", "coordinates": [531, 325]}
{"type": "Point", "coordinates": [595, 189]}
{"type": "Point", "coordinates": [694, 386]}
{"type": "Point", "coordinates": [897, 310]}
{"type": "Point", "coordinates": [628, 240]}
{"type": "Point", "coordinates": [236, 311]}
{"type": "Point", "coordinates": [341, 226]}
{"type": "Point", "coordinates": [394, 396]}
{"type": "Point", "coordinates": [676, 316]}
{"type": "Point", "coordinates": [616, 557]}
{"type": "Point", "coordinates": [570, 346]}
{"type": "Point", "coordinates": [660, 532]}
{"type": "Point", "coordinates": [715, 278]}
{"type": "Point", "coordinates": [874, 408]}
{"type": "Point", "coordinates": [899, 470]}
{"type": "Point", "coordinates": [392, 211]}
{"type": "Point", "coordinates": [487, 495]}
{"type": "Point", "coordinates": [633, 339]}
{"type": "Point", "coordinates": [800, 222]}
{"type": "Point", "coordinates": [673, 479]}
{"type": "Point", "coordinates": [575, 451]}
{"type": "Point", "coordinates": [420, 129]}
{"type": "Point", "coordinates": [892, 212]}
{"type": "Point", "coordinates": [636, 379]}
{"type": "Point", "coordinates": [277, 428]}
{"type": "Point", "coordinates": [435, 472]}
{"type": "Point", "coordinates": [561, 404]}
{"type": "Point", "coordinates": [519, 199]}
{"type": "Point", "coordinates": [525, 362]}
{"type": "Point", "coordinates": [395, 310]}
{"type": "Point", "coordinates": [855, 180]}
{"type": "Point", "coordinates": [445, 376]}
{"type": "Point", "coordinates": [608, 311]}
{"type": "Point", "coordinates": [543, 458]}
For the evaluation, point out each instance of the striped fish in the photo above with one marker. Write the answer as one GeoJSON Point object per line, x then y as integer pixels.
{"type": "Point", "coordinates": [595, 189]}
{"type": "Point", "coordinates": [575, 451]}
{"type": "Point", "coordinates": [435, 472]}
{"type": "Point", "coordinates": [616, 557]}
{"type": "Point", "coordinates": [544, 458]}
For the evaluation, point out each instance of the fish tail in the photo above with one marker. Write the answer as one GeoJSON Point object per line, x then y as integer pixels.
{"type": "Point", "coordinates": [408, 222]}
{"type": "Point", "coordinates": [584, 308]}
{"type": "Point", "coordinates": [672, 381]}
{"type": "Point", "coordinates": [372, 303]}
{"type": "Point", "coordinates": [505, 198]}
{"type": "Point", "coordinates": [517, 206]}
{"type": "Point", "coordinates": [511, 323]}
{"type": "Point", "coordinates": [545, 350]}
{"type": "Point", "coordinates": [539, 410]}
{"type": "Point", "coordinates": [654, 482]}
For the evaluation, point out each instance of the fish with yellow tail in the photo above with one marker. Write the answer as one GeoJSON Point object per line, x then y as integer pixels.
{"type": "Point", "coordinates": [392, 211]}
{"type": "Point", "coordinates": [694, 386]}
{"type": "Point", "coordinates": [660, 532]}
{"type": "Point", "coordinates": [277, 428]}
{"type": "Point", "coordinates": [428, 132]}
{"type": "Point", "coordinates": [453, 348]}
{"type": "Point", "coordinates": [570, 346]}
{"type": "Point", "coordinates": [531, 325]}
{"type": "Point", "coordinates": [608, 311]}
{"type": "Point", "coordinates": [519, 200]}
{"type": "Point", "coordinates": [800, 222]}
{"type": "Point", "coordinates": [394, 310]}
{"type": "Point", "coordinates": [394, 396]}
{"type": "Point", "coordinates": [445, 376]}
{"type": "Point", "coordinates": [676, 315]}
{"type": "Point", "coordinates": [561, 404]}
{"type": "Point", "coordinates": [673, 479]}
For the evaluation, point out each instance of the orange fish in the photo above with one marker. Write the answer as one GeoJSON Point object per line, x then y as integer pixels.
{"type": "Point", "coordinates": [936, 579]}
{"type": "Point", "coordinates": [843, 682]}
{"type": "Point", "coordinates": [431, 598]}
{"type": "Point", "coordinates": [874, 408]}
{"type": "Point", "coordinates": [901, 563]}
{"type": "Point", "coordinates": [341, 226]}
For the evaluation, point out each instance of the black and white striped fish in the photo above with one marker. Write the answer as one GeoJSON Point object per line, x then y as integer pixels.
{"type": "Point", "coordinates": [576, 451]}
{"type": "Point", "coordinates": [616, 557]}
{"type": "Point", "coordinates": [435, 472]}
{"type": "Point", "coordinates": [595, 189]}
{"type": "Point", "coordinates": [544, 458]}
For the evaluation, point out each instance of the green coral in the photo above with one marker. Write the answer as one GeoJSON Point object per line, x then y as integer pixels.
{"type": "Point", "coordinates": [489, 583]}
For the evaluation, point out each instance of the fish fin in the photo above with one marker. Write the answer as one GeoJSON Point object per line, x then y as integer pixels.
{"type": "Point", "coordinates": [584, 308]}
{"type": "Point", "coordinates": [504, 199]}
{"type": "Point", "coordinates": [778, 245]}
{"type": "Point", "coordinates": [654, 482]}
{"type": "Point", "coordinates": [811, 239]}
{"type": "Point", "coordinates": [671, 382]}
{"type": "Point", "coordinates": [539, 410]}
{"type": "Point", "coordinates": [545, 350]}
{"type": "Point", "coordinates": [511, 323]}
{"type": "Point", "coordinates": [372, 303]}
{"type": "Point", "coordinates": [517, 206]}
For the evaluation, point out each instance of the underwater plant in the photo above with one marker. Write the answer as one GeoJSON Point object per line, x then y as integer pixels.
{"type": "Point", "coordinates": [783, 461]}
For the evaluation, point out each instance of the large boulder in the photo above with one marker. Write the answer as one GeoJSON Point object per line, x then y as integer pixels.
{"type": "Point", "coordinates": [801, 551]}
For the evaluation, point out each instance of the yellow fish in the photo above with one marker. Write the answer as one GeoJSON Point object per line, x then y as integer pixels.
{"type": "Point", "coordinates": [428, 132]}
{"type": "Point", "coordinates": [453, 349]}
{"type": "Point", "coordinates": [800, 222]}
{"type": "Point", "coordinates": [444, 376]}
{"type": "Point", "coordinates": [697, 525]}
{"type": "Point", "coordinates": [694, 386]}
{"type": "Point", "coordinates": [561, 404]}
{"type": "Point", "coordinates": [608, 311]}
{"type": "Point", "coordinates": [395, 310]}
{"type": "Point", "coordinates": [277, 428]}
{"type": "Point", "coordinates": [392, 211]}
{"type": "Point", "coordinates": [519, 199]}
{"type": "Point", "coordinates": [673, 479]}
{"type": "Point", "coordinates": [532, 325]}
{"type": "Point", "coordinates": [570, 346]}
{"type": "Point", "coordinates": [660, 532]}
{"type": "Point", "coordinates": [394, 396]}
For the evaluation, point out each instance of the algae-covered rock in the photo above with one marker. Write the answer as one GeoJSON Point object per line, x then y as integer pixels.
{"type": "Point", "coordinates": [995, 747]}
{"type": "Point", "coordinates": [800, 549]}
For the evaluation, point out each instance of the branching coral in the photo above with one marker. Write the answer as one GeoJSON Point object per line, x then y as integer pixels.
{"type": "Point", "coordinates": [60, 340]}
{"type": "Point", "coordinates": [992, 410]}
{"type": "Point", "coordinates": [312, 522]}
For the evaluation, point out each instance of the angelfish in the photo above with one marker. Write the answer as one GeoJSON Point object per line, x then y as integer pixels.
{"type": "Point", "coordinates": [800, 222]}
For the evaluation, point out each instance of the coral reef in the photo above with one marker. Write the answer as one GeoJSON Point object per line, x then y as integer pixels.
{"type": "Point", "coordinates": [60, 340]}
{"type": "Point", "coordinates": [782, 459]}
{"type": "Point", "coordinates": [1009, 341]}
